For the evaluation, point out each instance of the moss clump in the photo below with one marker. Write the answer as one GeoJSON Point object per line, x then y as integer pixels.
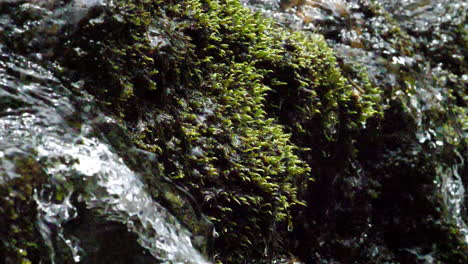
{"type": "Point", "coordinates": [219, 90]}
{"type": "Point", "coordinates": [20, 241]}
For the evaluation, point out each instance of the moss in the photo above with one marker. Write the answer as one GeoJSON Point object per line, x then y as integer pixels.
{"type": "Point", "coordinates": [219, 91]}
{"type": "Point", "coordinates": [19, 238]}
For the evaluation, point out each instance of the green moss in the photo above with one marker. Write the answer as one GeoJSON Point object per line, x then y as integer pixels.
{"type": "Point", "coordinates": [219, 92]}
{"type": "Point", "coordinates": [19, 239]}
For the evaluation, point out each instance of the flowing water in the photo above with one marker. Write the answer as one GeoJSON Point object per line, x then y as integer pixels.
{"type": "Point", "coordinates": [93, 172]}
{"type": "Point", "coordinates": [416, 46]}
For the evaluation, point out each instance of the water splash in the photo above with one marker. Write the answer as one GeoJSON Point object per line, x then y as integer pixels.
{"type": "Point", "coordinates": [118, 194]}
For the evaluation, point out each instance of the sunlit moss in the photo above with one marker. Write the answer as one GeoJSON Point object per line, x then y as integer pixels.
{"type": "Point", "coordinates": [217, 91]}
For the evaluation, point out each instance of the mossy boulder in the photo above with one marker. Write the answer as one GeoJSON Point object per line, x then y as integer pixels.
{"type": "Point", "coordinates": [219, 90]}
{"type": "Point", "coordinates": [283, 151]}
